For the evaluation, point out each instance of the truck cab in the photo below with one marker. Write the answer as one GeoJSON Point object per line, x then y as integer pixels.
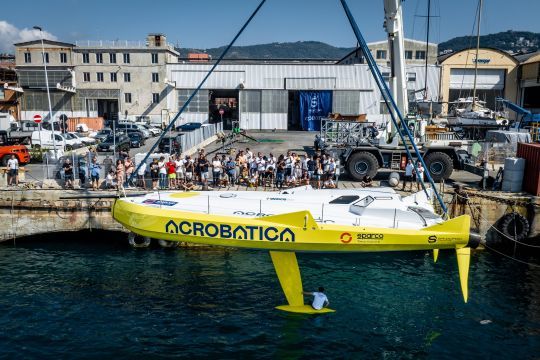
{"type": "Point", "coordinates": [7, 149]}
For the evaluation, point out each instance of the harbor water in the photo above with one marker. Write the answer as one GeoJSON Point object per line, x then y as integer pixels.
{"type": "Point", "coordinates": [96, 297]}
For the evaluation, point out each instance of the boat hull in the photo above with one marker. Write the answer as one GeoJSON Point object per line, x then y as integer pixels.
{"type": "Point", "coordinates": [296, 231]}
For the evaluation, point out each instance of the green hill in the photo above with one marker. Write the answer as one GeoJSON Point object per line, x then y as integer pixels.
{"type": "Point", "coordinates": [287, 50]}
{"type": "Point", "coordinates": [513, 41]}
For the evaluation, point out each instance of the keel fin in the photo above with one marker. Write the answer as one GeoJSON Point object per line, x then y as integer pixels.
{"type": "Point", "coordinates": [302, 219]}
{"type": "Point", "coordinates": [288, 273]}
{"type": "Point", "coordinates": [464, 259]}
{"type": "Point", "coordinates": [435, 255]}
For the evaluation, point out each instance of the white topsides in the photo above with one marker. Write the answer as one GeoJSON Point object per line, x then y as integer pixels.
{"type": "Point", "coordinates": [377, 207]}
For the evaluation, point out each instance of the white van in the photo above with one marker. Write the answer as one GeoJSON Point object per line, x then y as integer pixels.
{"type": "Point", "coordinates": [125, 125]}
{"type": "Point", "coordinates": [44, 139]}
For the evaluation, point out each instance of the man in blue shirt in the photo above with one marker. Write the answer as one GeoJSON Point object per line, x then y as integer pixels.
{"type": "Point", "coordinates": [94, 173]}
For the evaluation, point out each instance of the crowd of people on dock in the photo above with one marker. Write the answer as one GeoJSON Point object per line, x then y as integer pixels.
{"type": "Point", "coordinates": [244, 169]}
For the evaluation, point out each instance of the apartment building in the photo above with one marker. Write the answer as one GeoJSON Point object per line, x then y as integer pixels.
{"type": "Point", "coordinates": [111, 79]}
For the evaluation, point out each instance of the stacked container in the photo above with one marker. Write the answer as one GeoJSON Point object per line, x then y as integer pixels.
{"type": "Point", "coordinates": [513, 174]}
{"type": "Point", "coordinates": [531, 176]}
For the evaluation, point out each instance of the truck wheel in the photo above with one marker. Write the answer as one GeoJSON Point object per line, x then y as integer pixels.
{"type": "Point", "coordinates": [363, 164]}
{"type": "Point", "coordinates": [439, 165]}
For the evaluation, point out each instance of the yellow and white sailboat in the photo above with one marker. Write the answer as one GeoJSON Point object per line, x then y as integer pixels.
{"type": "Point", "coordinates": [298, 220]}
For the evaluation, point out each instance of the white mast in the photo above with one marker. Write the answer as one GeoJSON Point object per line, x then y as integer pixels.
{"type": "Point", "coordinates": [477, 49]}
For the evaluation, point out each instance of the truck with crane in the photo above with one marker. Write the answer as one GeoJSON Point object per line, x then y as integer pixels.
{"type": "Point", "coordinates": [364, 153]}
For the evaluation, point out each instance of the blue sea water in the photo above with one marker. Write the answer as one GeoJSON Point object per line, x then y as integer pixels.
{"type": "Point", "coordinates": [96, 297]}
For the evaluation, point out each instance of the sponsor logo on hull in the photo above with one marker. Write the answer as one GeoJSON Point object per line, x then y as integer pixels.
{"type": "Point", "coordinates": [226, 231]}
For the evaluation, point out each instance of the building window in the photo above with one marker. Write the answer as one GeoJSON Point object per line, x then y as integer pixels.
{"type": "Point", "coordinates": [155, 98]}
{"type": "Point", "coordinates": [112, 58]}
{"type": "Point", "coordinates": [155, 77]}
{"type": "Point", "coordinates": [99, 58]}
{"type": "Point", "coordinates": [411, 77]}
{"type": "Point", "coordinates": [127, 77]}
{"type": "Point", "coordinates": [381, 54]}
{"type": "Point", "coordinates": [113, 77]}
{"type": "Point", "coordinates": [126, 58]}
{"type": "Point", "coordinates": [127, 98]}
{"type": "Point", "coordinates": [63, 58]}
{"type": "Point", "coordinates": [154, 58]}
{"type": "Point", "coordinates": [86, 76]}
{"type": "Point", "coordinates": [420, 55]}
{"type": "Point", "coordinates": [47, 58]}
{"type": "Point", "coordinates": [27, 57]}
{"type": "Point", "coordinates": [100, 76]}
{"type": "Point", "coordinates": [408, 54]}
{"type": "Point", "coordinates": [86, 58]}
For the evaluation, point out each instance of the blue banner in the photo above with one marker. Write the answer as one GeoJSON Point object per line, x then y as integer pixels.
{"type": "Point", "coordinates": [313, 106]}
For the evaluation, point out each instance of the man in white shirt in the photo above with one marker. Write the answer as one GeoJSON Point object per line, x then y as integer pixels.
{"type": "Point", "coordinates": [408, 175]}
{"type": "Point", "coordinates": [13, 171]}
{"type": "Point", "coordinates": [319, 299]}
{"type": "Point", "coordinates": [141, 182]}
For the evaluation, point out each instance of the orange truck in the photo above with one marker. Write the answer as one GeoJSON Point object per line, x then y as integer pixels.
{"type": "Point", "coordinates": [7, 149]}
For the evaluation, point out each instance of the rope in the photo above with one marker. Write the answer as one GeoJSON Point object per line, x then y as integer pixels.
{"type": "Point", "coordinates": [512, 258]}
{"type": "Point", "coordinates": [483, 219]}
{"type": "Point", "coordinates": [188, 101]}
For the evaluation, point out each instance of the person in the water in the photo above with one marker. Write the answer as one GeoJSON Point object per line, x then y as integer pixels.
{"type": "Point", "coordinates": [319, 299]}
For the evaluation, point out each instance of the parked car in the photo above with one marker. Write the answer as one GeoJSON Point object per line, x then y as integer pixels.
{"type": "Point", "coordinates": [103, 134]}
{"type": "Point", "coordinates": [136, 140]}
{"type": "Point", "coordinates": [44, 139]}
{"type": "Point", "coordinates": [154, 131]}
{"type": "Point", "coordinates": [86, 140]}
{"type": "Point", "coordinates": [170, 144]}
{"type": "Point", "coordinates": [72, 139]}
{"type": "Point", "coordinates": [127, 125]}
{"type": "Point", "coordinates": [118, 143]}
{"type": "Point", "coordinates": [190, 126]}
{"type": "Point", "coordinates": [136, 131]}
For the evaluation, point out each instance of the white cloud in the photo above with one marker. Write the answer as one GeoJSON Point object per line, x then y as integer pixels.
{"type": "Point", "coordinates": [10, 34]}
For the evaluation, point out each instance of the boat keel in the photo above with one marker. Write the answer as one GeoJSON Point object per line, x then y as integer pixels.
{"type": "Point", "coordinates": [288, 273]}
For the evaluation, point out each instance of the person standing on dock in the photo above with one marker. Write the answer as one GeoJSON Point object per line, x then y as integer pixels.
{"type": "Point", "coordinates": [419, 171]}
{"type": "Point", "coordinates": [319, 299]}
{"type": "Point", "coordinates": [408, 175]}
{"type": "Point", "coordinates": [94, 173]}
{"type": "Point", "coordinates": [13, 171]}
{"type": "Point", "coordinates": [68, 174]}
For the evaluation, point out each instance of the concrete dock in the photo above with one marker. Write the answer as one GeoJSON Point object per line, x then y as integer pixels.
{"type": "Point", "coordinates": [39, 206]}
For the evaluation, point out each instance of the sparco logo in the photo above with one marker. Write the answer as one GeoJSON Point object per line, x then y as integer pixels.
{"type": "Point", "coordinates": [369, 236]}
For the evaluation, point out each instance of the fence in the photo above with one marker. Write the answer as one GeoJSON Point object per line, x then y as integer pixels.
{"type": "Point", "coordinates": [196, 138]}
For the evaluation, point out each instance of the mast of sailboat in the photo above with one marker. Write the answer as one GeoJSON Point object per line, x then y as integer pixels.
{"type": "Point", "coordinates": [477, 49]}
{"type": "Point", "coordinates": [427, 49]}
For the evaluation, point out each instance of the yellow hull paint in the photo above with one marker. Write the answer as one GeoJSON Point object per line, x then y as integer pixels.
{"type": "Point", "coordinates": [304, 309]}
{"type": "Point", "coordinates": [296, 231]}
{"type": "Point", "coordinates": [285, 234]}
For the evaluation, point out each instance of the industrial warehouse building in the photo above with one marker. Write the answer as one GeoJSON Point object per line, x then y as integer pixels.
{"type": "Point", "coordinates": [529, 81]}
{"type": "Point", "coordinates": [286, 96]}
{"type": "Point", "coordinates": [497, 76]}
{"type": "Point", "coordinates": [150, 81]}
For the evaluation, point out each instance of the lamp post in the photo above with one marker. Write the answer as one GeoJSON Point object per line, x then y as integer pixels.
{"type": "Point", "coordinates": [48, 93]}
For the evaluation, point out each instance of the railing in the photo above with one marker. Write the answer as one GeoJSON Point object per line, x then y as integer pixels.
{"type": "Point", "coordinates": [125, 44]}
{"type": "Point", "coordinates": [196, 137]}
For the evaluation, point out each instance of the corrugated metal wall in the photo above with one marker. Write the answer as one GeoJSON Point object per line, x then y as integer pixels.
{"type": "Point", "coordinates": [273, 76]}
{"type": "Point", "coordinates": [263, 94]}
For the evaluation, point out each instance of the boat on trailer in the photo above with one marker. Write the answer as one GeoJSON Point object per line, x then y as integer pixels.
{"type": "Point", "coordinates": [300, 219]}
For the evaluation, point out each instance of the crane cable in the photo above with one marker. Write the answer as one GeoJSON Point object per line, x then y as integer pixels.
{"type": "Point", "coordinates": [171, 123]}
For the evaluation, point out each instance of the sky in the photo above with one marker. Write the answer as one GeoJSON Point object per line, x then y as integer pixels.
{"type": "Point", "coordinates": [211, 23]}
